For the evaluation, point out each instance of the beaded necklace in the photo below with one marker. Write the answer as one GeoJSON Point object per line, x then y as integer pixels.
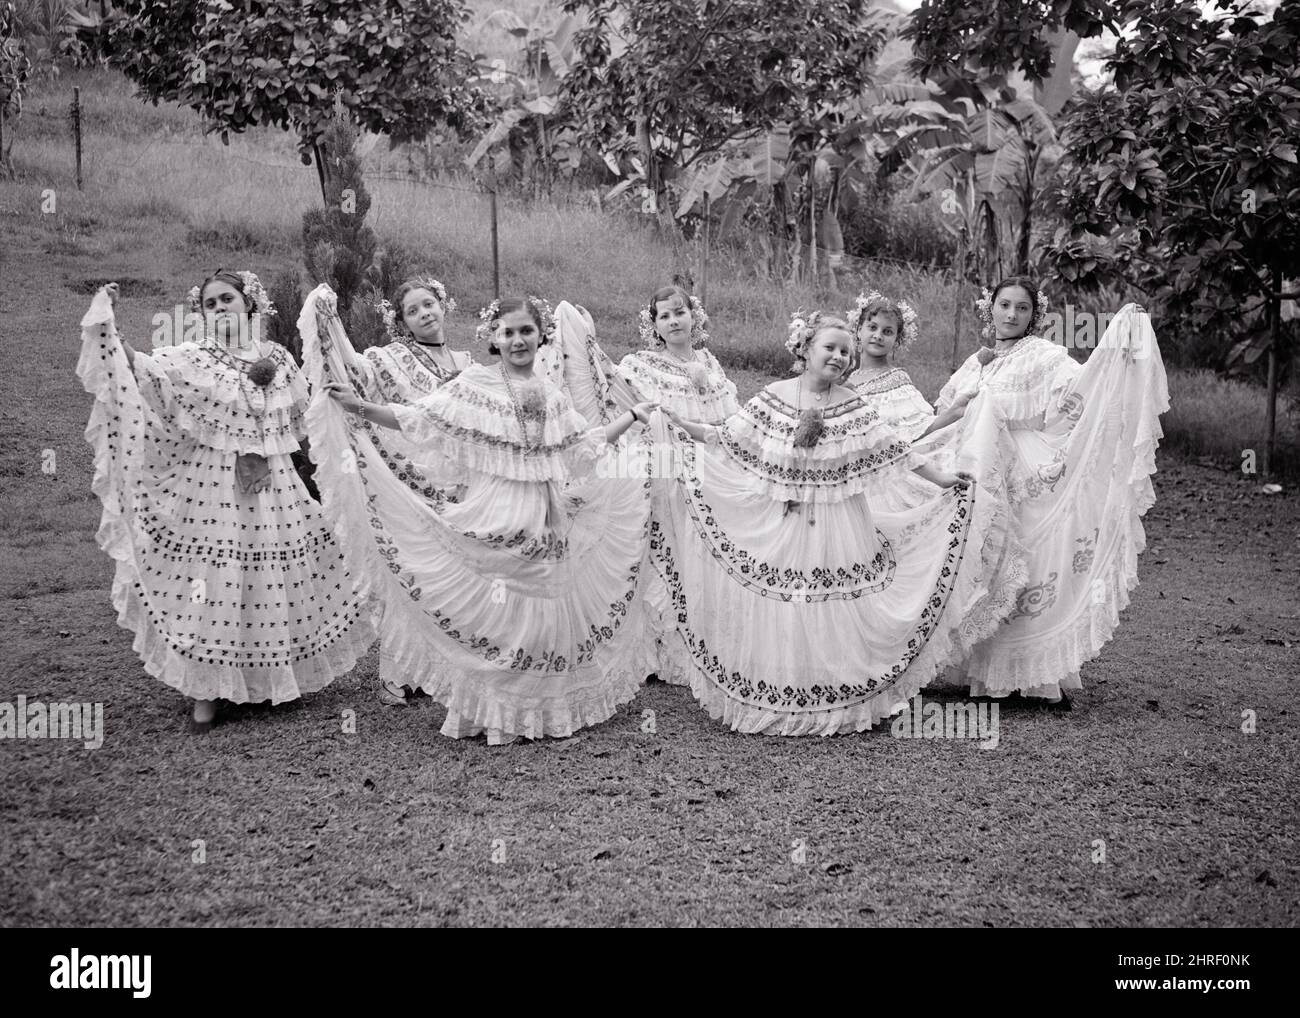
{"type": "Point", "coordinates": [243, 371]}
{"type": "Point", "coordinates": [520, 416]}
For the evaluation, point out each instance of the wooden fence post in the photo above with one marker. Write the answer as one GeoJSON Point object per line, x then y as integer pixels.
{"type": "Point", "coordinates": [76, 128]}
{"type": "Point", "coordinates": [496, 259]}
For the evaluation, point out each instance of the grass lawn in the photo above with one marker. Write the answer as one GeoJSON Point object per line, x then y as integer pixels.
{"type": "Point", "coordinates": [280, 817]}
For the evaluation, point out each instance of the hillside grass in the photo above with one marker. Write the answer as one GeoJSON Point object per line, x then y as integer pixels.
{"type": "Point", "coordinates": [157, 185]}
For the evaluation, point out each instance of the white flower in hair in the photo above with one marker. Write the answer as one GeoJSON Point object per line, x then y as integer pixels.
{"type": "Point", "coordinates": [488, 316]}
{"type": "Point", "coordinates": [389, 314]}
{"type": "Point", "coordinates": [699, 334]}
{"type": "Point", "coordinates": [860, 305]}
{"type": "Point", "coordinates": [647, 328]}
{"type": "Point", "coordinates": [984, 308]}
{"type": "Point", "coordinates": [910, 329]}
{"type": "Point", "coordinates": [1040, 314]}
{"type": "Point", "coordinates": [800, 332]}
{"type": "Point", "coordinates": [392, 319]}
{"type": "Point", "coordinates": [255, 295]}
{"type": "Point", "coordinates": [906, 313]}
{"type": "Point", "coordinates": [699, 319]}
{"type": "Point", "coordinates": [429, 283]}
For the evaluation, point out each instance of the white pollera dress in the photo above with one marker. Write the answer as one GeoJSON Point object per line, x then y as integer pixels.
{"type": "Point", "coordinates": [1076, 462]}
{"type": "Point", "coordinates": [656, 376]}
{"type": "Point", "coordinates": [234, 596]}
{"type": "Point", "coordinates": [401, 371]}
{"type": "Point", "coordinates": [792, 607]}
{"type": "Point", "coordinates": [518, 605]}
{"type": "Point", "coordinates": [903, 409]}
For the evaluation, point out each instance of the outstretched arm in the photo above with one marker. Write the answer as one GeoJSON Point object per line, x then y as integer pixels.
{"type": "Point", "coordinates": [953, 413]}
{"type": "Point", "coordinates": [111, 291]}
{"type": "Point", "coordinates": [640, 412]}
{"type": "Point", "coordinates": [699, 432]}
{"type": "Point", "coordinates": [942, 478]}
{"type": "Point", "coordinates": [379, 413]}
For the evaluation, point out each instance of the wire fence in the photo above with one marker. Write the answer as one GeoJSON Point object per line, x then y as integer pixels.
{"type": "Point", "coordinates": [381, 170]}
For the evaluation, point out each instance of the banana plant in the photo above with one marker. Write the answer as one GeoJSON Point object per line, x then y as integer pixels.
{"type": "Point", "coordinates": [525, 140]}
{"type": "Point", "coordinates": [978, 145]}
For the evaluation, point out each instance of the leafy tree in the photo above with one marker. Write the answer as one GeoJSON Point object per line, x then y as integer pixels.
{"type": "Point", "coordinates": [995, 37]}
{"type": "Point", "coordinates": [1181, 177]}
{"type": "Point", "coordinates": [395, 64]}
{"type": "Point", "coordinates": [667, 84]}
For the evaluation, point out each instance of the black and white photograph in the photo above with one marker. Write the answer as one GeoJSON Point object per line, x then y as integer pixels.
{"type": "Point", "coordinates": [650, 463]}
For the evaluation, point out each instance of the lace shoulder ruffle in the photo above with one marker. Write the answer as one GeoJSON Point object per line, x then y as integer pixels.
{"type": "Point", "coordinates": [665, 380]}
{"type": "Point", "coordinates": [472, 422]}
{"type": "Point", "coordinates": [205, 391]}
{"type": "Point", "coordinates": [854, 446]}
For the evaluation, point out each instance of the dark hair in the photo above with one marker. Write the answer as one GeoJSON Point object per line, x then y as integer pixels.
{"type": "Point", "coordinates": [1026, 284]}
{"type": "Point", "coordinates": [509, 307]}
{"type": "Point", "coordinates": [679, 287]}
{"type": "Point", "coordinates": [407, 286]}
{"type": "Point", "coordinates": [874, 307]}
{"type": "Point", "coordinates": [230, 279]}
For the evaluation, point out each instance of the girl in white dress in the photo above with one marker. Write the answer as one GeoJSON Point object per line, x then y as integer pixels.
{"type": "Point", "coordinates": [884, 328]}
{"type": "Point", "coordinates": [796, 609]}
{"type": "Point", "coordinates": [224, 569]}
{"type": "Point", "coordinates": [675, 370]}
{"type": "Point", "coordinates": [516, 606]}
{"type": "Point", "coordinates": [416, 359]}
{"type": "Point", "coordinates": [414, 362]}
{"type": "Point", "coordinates": [1076, 461]}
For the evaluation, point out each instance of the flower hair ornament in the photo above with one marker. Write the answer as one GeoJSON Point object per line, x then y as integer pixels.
{"type": "Point", "coordinates": [259, 302]}
{"type": "Point", "coordinates": [489, 315]}
{"type": "Point", "coordinates": [699, 319]}
{"type": "Point", "coordinates": [800, 332]}
{"type": "Point", "coordinates": [984, 308]}
{"type": "Point", "coordinates": [909, 331]}
{"type": "Point", "coordinates": [803, 326]}
{"type": "Point", "coordinates": [393, 320]}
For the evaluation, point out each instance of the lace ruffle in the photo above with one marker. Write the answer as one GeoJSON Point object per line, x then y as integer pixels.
{"type": "Point", "coordinates": [471, 423]}
{"type": "Point", "coordinates": [657, 377]}
{"type": "Point", "coordinates": [855, 446]}
{"type": "Point", "coordinates": [1027, 383]}
{"type": "Point", "coordinates": [206, 393]}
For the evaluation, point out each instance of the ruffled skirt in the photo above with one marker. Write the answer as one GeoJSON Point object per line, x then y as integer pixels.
{"type": "Point", "coordinates": [518, 607]}
{"type": "Point", "coordinates": [1078, 490]}
{"type": "Point", "coordinates": [234, 596]}
{"type": "Point", "coordinates": [817, 620]}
